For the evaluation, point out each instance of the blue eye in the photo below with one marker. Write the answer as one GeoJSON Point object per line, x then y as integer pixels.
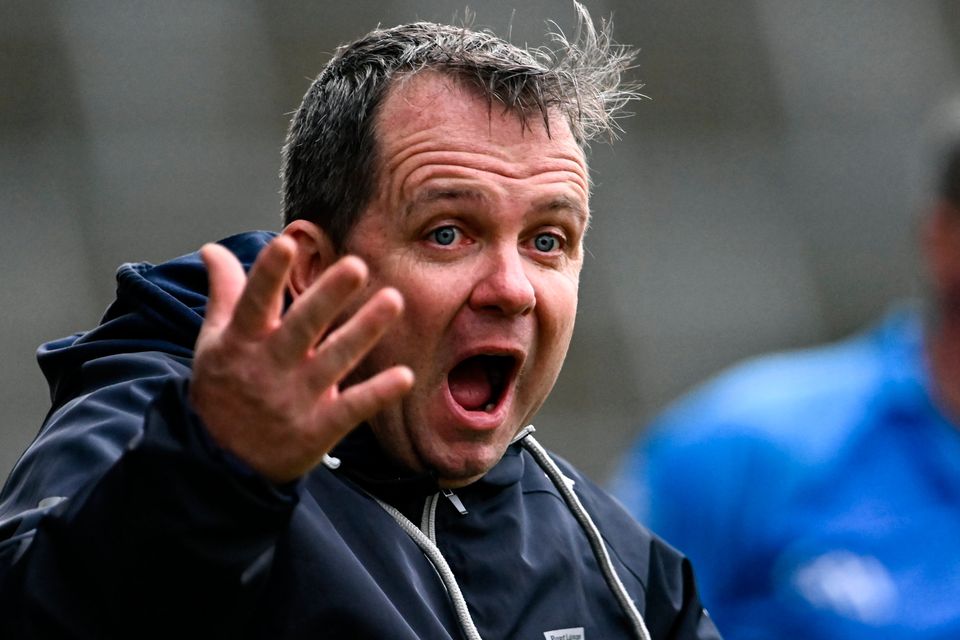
{"type": "Point", "coordinates": [546, 242]}
{"type": "Point", "coordinates": [444, 236]}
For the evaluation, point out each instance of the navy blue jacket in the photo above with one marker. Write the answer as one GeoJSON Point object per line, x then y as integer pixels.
{"type": "Point", "coordinates": [124, 519]}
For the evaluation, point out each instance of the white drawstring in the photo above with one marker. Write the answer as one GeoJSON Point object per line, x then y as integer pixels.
{"type": "Point", "coordinates": [443, 570]}
{"type": "Point", "coordinates": [593, 534]}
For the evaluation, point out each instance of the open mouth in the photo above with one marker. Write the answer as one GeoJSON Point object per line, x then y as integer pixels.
{"type": "Point", "coordinates": [478, 383]}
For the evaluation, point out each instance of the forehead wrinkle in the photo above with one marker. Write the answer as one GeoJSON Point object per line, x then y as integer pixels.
{"type": "Point", "coordinates": [497, 160]}
{"type": "Point", "coordinates": [450, 164]}
{"type": "Point", "coordinates": [416, 101]}
{"type": "Point", "coordinates": [460, 148]}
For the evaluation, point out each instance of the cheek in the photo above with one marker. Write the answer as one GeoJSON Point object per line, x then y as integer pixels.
{"type": "Point", "coordinates": [420, 287]}
{"type": "Point", "coordinates": [429, 303]}
{"type": "Point", "coordinates": [557, 316]}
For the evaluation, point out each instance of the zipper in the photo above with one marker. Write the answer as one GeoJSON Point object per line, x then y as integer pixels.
{"type": "Point", "coordinates": [454, 500]}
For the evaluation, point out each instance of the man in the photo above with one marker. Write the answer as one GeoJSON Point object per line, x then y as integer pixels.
{"type": "Point", "coordinates": [818, 492]}
{"type": "Point", "coordinates": [424, 287]}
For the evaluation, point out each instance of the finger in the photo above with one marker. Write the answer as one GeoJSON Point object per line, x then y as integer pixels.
{"type": "Point", "coordinates": [362, 401]}
{"type": "Point", "coordinates": [258, 310]}
{"type": "Point", "coordinates": [226, 279]}
{"type": "Point", "coordinates": [311, 314]}
{"type": "Point", "coordinates": [342, 350]}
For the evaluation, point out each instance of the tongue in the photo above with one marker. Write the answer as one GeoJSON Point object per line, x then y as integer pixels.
{"type": "Point", "coordinates": [469, 385]}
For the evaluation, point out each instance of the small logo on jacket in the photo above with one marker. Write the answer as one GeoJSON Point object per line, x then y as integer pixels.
{"type": "Point", "coordinates": [564, 634]}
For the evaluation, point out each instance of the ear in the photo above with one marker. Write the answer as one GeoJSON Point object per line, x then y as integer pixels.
{"type": "Point", "coordinates": [315, 253]}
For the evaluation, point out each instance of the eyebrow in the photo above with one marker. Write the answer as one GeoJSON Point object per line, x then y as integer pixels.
{"type": "Point", "coordinates": [559, 203]}
{"type": "Point", "coordinates": [429, 196]}
{"type": "Point", "coordinates": [565, 203]}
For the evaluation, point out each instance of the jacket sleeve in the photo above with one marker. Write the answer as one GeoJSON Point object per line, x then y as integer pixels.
{"type": "Point", "coordinates": [144, 527]}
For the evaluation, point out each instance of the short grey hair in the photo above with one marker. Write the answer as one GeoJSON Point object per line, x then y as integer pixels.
{"type": "Point", "coordinates": [329, 171]}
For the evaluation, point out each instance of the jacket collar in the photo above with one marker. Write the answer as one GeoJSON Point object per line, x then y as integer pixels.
{"type": "Point", "coordinates": [364, 462]}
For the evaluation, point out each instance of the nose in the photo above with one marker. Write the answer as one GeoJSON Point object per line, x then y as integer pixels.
{"type": "Point", "coordinates": [504, 286]}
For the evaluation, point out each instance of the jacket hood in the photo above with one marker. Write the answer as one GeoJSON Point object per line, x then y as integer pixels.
{"type": "Point", "coordinates": [157, 308]}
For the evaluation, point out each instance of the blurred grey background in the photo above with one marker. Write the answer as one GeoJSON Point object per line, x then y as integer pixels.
{"type": "Point", "coordinates": [763, 199]}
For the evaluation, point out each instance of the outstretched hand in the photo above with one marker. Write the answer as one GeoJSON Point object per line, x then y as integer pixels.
{"type": "Point", "coordinates": [266, 383]}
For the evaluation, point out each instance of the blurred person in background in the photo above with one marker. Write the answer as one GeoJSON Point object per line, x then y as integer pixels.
{"type": "Point", "coordinates": [334, 440]}
{"type": "Point", "coordinates": [818, 491]}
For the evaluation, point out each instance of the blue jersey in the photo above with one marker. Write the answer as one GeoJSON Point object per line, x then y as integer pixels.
{"type": "Point", "coordinates": [817, 492]}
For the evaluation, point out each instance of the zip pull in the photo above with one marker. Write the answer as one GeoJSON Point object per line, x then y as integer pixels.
{"type": "Point", "coordinates": [454, 500]}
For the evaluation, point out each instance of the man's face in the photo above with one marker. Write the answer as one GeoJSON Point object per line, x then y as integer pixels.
{"type": "Point", "coordinates": [479, 223]}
